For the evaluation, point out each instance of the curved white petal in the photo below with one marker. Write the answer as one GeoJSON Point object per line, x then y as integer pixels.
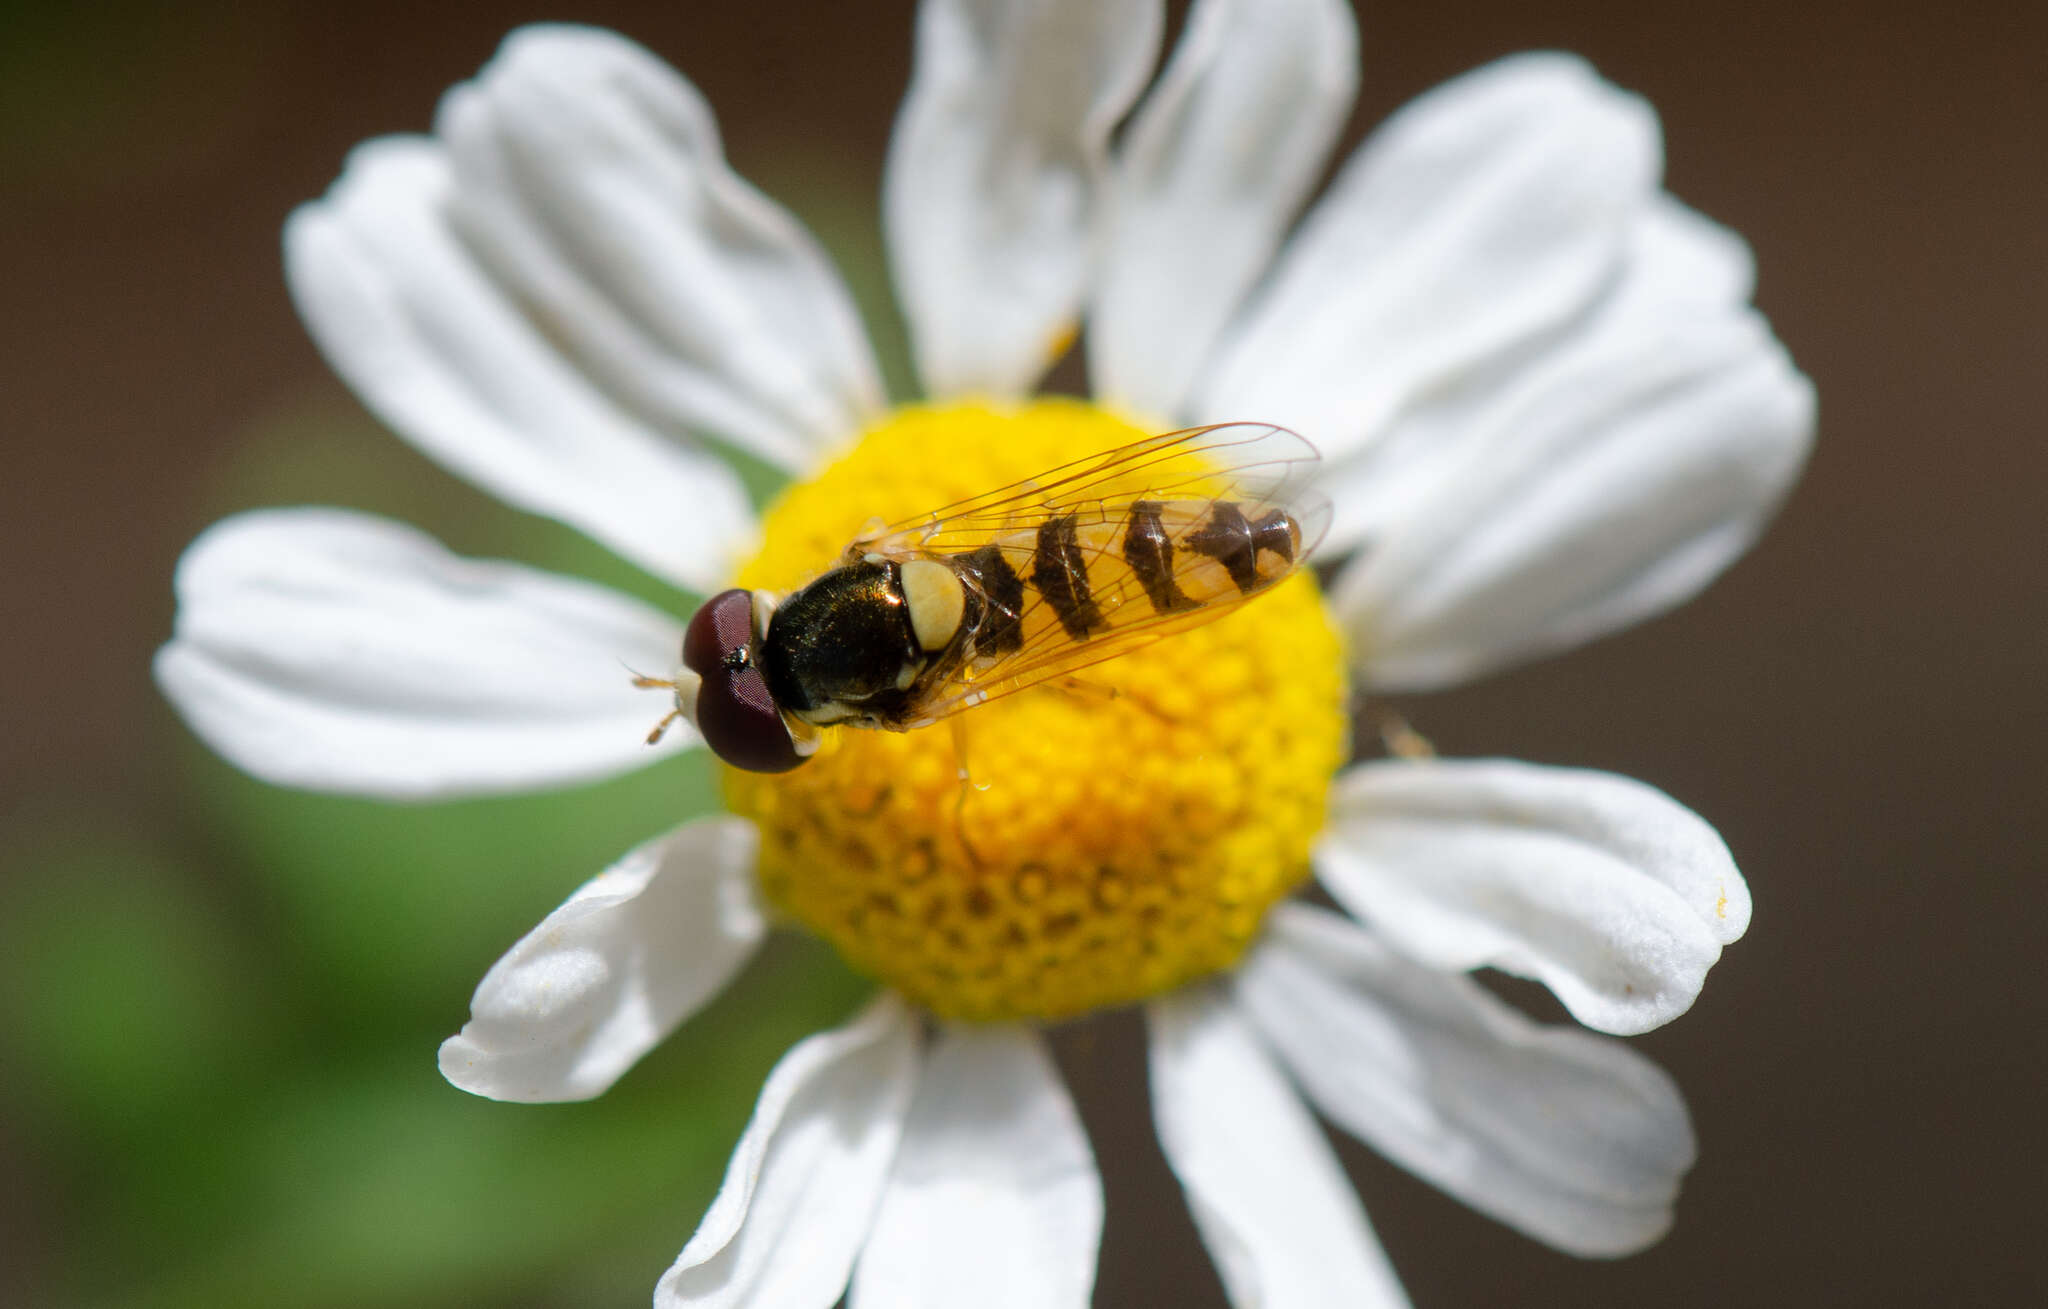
{"type": "Point", "coordinates": [1212, 170]}
{"type": "Point", "coordinates": [1274, 1208]}
{"type": "Point", "coordinates": [590, 180]}
{"type": "Point", "coordinates": [994, 1199]}
{"type": "Point", "coordinates": [638, 948]}
{"type": "Point", "coordinates": [1571, 1138]}
{"type": "Point", "coordinates": [1483, 216]}
{"type": "Point", "coordinates": [337, 651]}
{"type": "Point", "coordinates": [1679, 260]}
{"type": "Point", "coordinates": [801, 1190]}
{"type": "Point", "coordinates": [1679, 268]}
{"type": "Point", "coordinates": [550, 302]}
{"type": "Point", "coordinates": [992, 175]}
{"type": "Point", "coordinates": [1615, 482]}
{"type": "Point", "coordinates": [1607, 891]}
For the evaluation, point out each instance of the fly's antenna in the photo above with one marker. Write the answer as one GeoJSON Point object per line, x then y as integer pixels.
{"type": "Point", "coordinates": [683, 685]}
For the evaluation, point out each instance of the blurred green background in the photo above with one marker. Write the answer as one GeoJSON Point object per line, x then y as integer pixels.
{"type": "Point", "coordinates": [222, 998]}
{"type": "Point", "coordinates": [223, 1017]}
{"type": "Point", "coordinates": [219, 1002]}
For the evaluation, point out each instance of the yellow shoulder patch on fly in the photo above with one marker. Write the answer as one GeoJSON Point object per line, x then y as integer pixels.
{"type": "Point", "coordinates": [936, 602]}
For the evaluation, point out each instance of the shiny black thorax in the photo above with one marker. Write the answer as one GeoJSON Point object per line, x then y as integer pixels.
{"type": "Point", "coordinates": [843, 648]}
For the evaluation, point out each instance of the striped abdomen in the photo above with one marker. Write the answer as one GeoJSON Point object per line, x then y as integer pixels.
{"type": "Point", "coordinates": [1094, 571]}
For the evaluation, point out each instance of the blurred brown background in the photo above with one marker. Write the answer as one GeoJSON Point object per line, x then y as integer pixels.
{"type": "Point", "coordinates": [1858, 706]}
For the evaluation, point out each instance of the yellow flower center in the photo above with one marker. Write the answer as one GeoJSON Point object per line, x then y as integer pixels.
{"type": "Point", "coordinates": [1117, 838]}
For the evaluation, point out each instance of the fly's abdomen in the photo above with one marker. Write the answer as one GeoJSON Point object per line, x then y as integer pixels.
{"type": "Point", "coordinates": [1081, 575]}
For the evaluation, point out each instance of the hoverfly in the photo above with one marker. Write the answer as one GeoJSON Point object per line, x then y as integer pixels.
{"type": "Point", "coordinates": [920, 620]}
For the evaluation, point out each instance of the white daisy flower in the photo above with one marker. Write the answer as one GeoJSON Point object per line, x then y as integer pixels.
{"type": "Point", "coordinates": [1546, 411]}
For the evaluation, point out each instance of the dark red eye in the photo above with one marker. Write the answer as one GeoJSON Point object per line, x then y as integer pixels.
{"type": "Point", "coordinates": [721, 627]}
{"type": "Point", "coordinates": [735, 710]}
{"type": "Point", "coordinates": [741, 724]}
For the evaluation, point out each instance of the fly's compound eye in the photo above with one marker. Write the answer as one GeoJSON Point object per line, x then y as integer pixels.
{"type": "Point", "coordinates": [735, 710]}
{"type": "Point", "coordinates": [721, 633]}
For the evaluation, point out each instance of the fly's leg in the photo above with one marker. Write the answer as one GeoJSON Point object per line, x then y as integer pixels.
{"type": "Point", "coordinates": [1401, 740]}
{"type": "Point", "coordinates": [967, 788]}
{"type": "Point", "coordinates": [1082, 688]}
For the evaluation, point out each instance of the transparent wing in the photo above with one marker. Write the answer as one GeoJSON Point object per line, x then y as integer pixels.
{"type": "Point", "coordinates": [1105, 555]}
{"type": "Point", "coordinates": [1260, 462]}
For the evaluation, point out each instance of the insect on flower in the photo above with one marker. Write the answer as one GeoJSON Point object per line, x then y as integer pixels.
{"type": "Point", "coordinates": [1034, 581]}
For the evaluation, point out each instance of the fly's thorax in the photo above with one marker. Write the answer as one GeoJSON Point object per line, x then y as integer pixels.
{"type": "Point", "coordinates": [843, 647]}
{"type": "Point", "coordinates": [852, 646]}
{"type": "Point", "coordinates": [1113, 839]}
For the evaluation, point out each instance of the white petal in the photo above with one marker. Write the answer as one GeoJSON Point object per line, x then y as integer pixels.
{"type": "Point", "coordinates": [1274, 1208]}
{"type": "Point", "coordinates": [994, 1200]}
{"type": "Point", "coordinates": [638, 948]}
{"type": "Point", "coordinates": [801, 1190]}
{"type": "Point", "coordinates": [992, 176]}
{"type": "Point", "coordinates": [1679, 268]}
{"type": "Point", "coordinates": [1484, 215]}
{"type": "Point", "coordinates": [1607, 891]}
{"type": "Point", "coordinates": [1615, 482]}
{"type": "Point", "coordinates": [336, 651]}
{"type": "Point", "coordinates": [1679, 261]}
{"type": "Point", "coordinates": [590, 179]}
{"type": "Point", "coordinates": [1211, 172]}
{"type": "Point", "coordinates": [433, 339]}
{"type": "Point", "coordinates": [1571, 1138]}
